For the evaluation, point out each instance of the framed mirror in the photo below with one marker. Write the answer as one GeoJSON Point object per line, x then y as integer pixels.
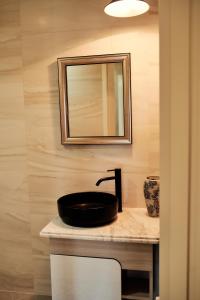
{"type": "Point", "coordinates": [95, 99]}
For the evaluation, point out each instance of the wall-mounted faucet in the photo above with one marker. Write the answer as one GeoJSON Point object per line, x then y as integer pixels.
{"type": "Point", "coordinates": [118, 185]}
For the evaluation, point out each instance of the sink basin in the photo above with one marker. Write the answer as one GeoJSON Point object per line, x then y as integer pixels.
{"type": "Point", "coordinates": [88, 209]}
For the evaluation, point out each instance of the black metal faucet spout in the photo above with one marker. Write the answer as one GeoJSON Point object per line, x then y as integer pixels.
{"type": "Point", "coordinates": [104, 179]}
{"type": "Point", "coordinates": [118, 187]}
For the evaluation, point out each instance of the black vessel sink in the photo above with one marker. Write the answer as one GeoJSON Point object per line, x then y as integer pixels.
{"type": "Point", "coordinates": [88, 209]}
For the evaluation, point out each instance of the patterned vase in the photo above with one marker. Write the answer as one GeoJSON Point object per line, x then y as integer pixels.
{"type": "Point", "coordinates": [151, 194]}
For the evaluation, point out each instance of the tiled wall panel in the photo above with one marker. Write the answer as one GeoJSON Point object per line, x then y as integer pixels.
{"type": "Point", "coordinates": [35, 168]}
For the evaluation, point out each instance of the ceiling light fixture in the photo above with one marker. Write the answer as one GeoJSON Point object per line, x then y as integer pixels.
{"type": "Point", "coordinates": [126, 8]}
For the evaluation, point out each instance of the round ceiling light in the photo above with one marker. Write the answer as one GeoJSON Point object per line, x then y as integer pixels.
{"type": "Point", "coordinates": [126, 8]}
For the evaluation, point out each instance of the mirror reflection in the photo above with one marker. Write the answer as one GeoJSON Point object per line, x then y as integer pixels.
{"type": "Point", "coordinates": [95, 100]}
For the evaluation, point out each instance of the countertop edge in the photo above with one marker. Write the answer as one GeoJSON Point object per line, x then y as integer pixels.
{"type": "Point", "coordinates": [103, 239]}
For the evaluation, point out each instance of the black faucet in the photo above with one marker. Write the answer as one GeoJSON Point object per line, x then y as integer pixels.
{"type": "Point", "coordinates": [118, 186]}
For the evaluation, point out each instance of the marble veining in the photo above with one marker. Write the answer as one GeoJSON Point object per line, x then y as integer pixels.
{"type": "Point", "coordinates": [132, 225]}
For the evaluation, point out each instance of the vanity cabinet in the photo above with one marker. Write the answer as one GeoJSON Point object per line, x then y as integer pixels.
{"type": "Point", "coordinates": [138, 274]}
{"type": "Point", "coordinates": [130, 246]}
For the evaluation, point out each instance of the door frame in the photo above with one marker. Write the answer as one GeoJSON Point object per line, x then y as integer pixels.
{"type": "Point", "coordinates": [175, 147]}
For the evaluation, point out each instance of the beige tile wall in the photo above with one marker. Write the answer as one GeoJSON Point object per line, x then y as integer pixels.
{"type": "Point", "coordinates": [15, 227]}
{"type": "Point", "coordinates": [35, 169]}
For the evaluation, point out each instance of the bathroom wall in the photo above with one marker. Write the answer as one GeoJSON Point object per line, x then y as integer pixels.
{"type": "Point", "coordinates": [35, 169]}
{"type": "Point", "coordinates": [15, 227]}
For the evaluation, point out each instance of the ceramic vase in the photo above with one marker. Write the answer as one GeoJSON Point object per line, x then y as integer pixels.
{"type": "Point", "coordinates": [151, 194]}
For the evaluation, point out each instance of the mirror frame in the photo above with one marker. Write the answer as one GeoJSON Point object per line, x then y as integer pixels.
{"type": "Point", "coordinates": [63, 62]}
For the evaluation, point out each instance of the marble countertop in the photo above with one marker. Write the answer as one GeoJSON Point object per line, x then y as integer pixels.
{"type": "Point", "coordinates": [133, 225]}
